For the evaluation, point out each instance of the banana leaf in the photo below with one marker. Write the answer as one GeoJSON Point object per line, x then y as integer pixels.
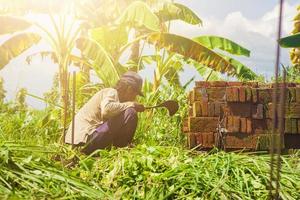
{"type": "Point", "coordinates": [111, 38]}
{"type": "Point", "coordinates": [100, 59]}
{"type": "Point", "coordinates": [292, 41]}
{"type": "Point", "coordinates": [16, 46]}
{"type": "Point", "coordinates": [215, 42]}
{"type": "Point", "coordinates": [242, 72]}
{"type": "Point", "coordinates": [172, 74]}
{"type": "Point", "coordinates": [139, 14]}
{"type": "Point", "coordinates": [206, 73]}
{"type": "Point", "coordinates": [73, 60]}
{"type": "Point", "coordinates": [11, 24]}
{"type": "Point", "coordinates": [176, 11]}
{"type": "Point", "coordinates": [191, 49]}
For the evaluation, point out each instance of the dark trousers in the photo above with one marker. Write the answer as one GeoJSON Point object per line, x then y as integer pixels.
{"type": "Point", "coordinates": [117, 131]}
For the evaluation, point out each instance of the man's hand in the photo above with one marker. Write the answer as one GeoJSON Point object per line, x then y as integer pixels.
{"type": "Point", "coordinates": [139, 107]}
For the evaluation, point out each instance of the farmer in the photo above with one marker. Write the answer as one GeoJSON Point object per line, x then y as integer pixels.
{"type": "Point", "coordinates": [109, 118]}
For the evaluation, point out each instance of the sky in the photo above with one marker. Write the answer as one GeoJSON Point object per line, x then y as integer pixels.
{"type": "Point", "coordinates": [251, 23]}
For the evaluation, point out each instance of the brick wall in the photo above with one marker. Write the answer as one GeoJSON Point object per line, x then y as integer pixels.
{"type": "Point", "coordinates": [242, 110]}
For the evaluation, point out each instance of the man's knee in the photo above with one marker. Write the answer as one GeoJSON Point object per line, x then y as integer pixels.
{"type": "Point", "coordinates": [130, 113]}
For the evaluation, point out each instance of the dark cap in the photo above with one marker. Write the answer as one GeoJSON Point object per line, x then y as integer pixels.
{"type": "Point", "coordinates": [134, 80]}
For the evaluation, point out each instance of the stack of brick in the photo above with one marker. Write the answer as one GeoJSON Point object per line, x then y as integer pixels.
{"type": "Point", "coordinates": [242, 110]}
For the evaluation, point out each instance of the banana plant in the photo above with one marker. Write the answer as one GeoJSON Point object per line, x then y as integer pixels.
{"type": "Point", "coordinates": [199, 49]}
{"type": "Point", "coordinates": [292, 41]}
{"type": "Point", "coordinates": [153, 29]}
{"type": "Point", "coordinates": [18, 43]}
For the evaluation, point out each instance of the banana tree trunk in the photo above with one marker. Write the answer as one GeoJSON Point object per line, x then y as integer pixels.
{"type": "Point", "coordinates": [64, 86]}
{"type": "Point", "coordinates": [135, 49]}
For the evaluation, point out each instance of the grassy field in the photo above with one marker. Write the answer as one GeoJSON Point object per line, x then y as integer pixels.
{"type": "Point", "coordinates": [34, 165]}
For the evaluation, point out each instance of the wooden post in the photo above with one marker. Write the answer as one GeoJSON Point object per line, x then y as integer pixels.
{"type": "Point", "coordinates": [66, 78]}
{"type": "Point", "coordinates": [73, 107]}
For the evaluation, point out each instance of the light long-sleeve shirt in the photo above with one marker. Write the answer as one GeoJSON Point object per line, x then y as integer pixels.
{"type": "Point", "coordinates": [102, 106]}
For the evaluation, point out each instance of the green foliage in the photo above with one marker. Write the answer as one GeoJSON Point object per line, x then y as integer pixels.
{"type": "Point", "coordinates": [21, 99]}
{"type": "Point", "coordinates": [28, 127]}
{"type": "Point", "coordinates": [207, 73]}
{"type": "Point", "coordinates": [2, 91]}
{"type": "Point", "coordinates": [52, 96]}
{"type": "Point", "coordinates": [156, 127]}
{"type": "Point", "coordinates": [10, 24]}
{"type": "Point", "coordinates": [139, 14]}
{"type": "Point", "coordinates": [176, 11]}
{"type": "Point", "coordinates": [292, 41]}
{"type": "Point", "coordinates": [158, 167]}
{"type": "Point", "coordinates": [24, 174]}
{"type": "Point", "coordinates": [16, 45]}
{"type": "Point", "coordinates": [242, 72]}
{"type": "Point", "coordinates": [143, 172]}
{"type": "Point", "coordinates": [110, 38]}
{"type": "Point", "coordinates": [191, 49]}
{"type": "Point", "coordinates": [102, 62]}
{"type": "Point", "coordinates": [214, 42]}
{"type": "Point", "coordinates": [292, 74]}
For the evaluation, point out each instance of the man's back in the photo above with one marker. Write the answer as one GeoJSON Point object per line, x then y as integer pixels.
{"type": "Point", "coordinates": [88, 117]}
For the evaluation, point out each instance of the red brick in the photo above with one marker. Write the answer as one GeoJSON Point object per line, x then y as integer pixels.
{"type": "Point", "coordinates": [288, 126]}
{"type": "Point", "coordinates": [258, 112]}
{"type": "Point", "coordinates": [191, 97]}
{"type": "Point", "coordinates": [242, 94]}
{"type": "Point", "coordinates": [259, 124]}
{"type": "Point", "coordinates": [211, 109]}
{"type": "Point", "coordinates": [197, 112]}
{"type": "Point", "coordinates": [234, 84]}
{"type": "Point", "coordinates": [254, 95]}
{"type": "Point", "coordinates": [243, 125]}
{"type": "Point", "coordinates": [218, 109]}
{"type": "Point", "coordinates": [235, 94]}
{"type": "Point", "coordinates": [203, 124]}
{"type": "Point", "coordinates": [292, 94]}
{"type": "Point", "coordinates": [239, 109]}
{"type": "Point", "coordinates": [208, 140]}
{"type": "Point", "coordinates": [204, 108]}
{"type": "Point", "coordinates": [204, 140]}
{"type": "Point", "coordinates": [291, 126]}
{"type": "Point", "coordinates": [216, 94]}
{"type": "Point", "coordinates": [208, 84]}
{"type": "Point", "coordinates": [239, 141]}
{"type": "Point", "coordinates": [229, 95]}
{"type": "Point", "coordinates": [199, 139]}
{"type": "Point", "coordinates": [248, 94]}
{"type": "Point", "coordinates": [269, 124]}
{"type": "Point", "coordinates": [211, 139]}
{"type": "Point", "coordinates": [202, 84]}
{"type": "Point", "coordinates": [294, 126]}
{"type": "Point", "coordinates": [292, 110]}
{"type": "Point", "coordinates": [252, 84]}
{"type": "Point", "coordinates": [249, 126]}
{"type": "Point", "coordinates": [229, 124]}
{"type": "Point", "coordinates": [218, 84]}
{"type": "Point", "coordinates": [185, 125]}
{"type": "Point", "coordinates": [283, 85]}
{"type": "Point", "coordinates": [191, 140]}
{"type": "Point", "coordinates": [297, 94]}
{"type": "Point", "coordinates": [191, 112]}
{"type": "Point", "coordinates": [200, 94]}
{"type": "Point", "coordinates": [236, 124]}
{"type": "Point", "coordinates": [265, 95]}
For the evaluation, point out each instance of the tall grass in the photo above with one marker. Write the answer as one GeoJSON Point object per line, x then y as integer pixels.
{"type": "Point", "coordinates": [159, 167]}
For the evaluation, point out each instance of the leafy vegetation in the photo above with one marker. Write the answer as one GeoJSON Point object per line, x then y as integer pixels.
{"type": "Point", "coordinates": [36, 165]}
{"type": "Point", "coordinates": [153, 169]}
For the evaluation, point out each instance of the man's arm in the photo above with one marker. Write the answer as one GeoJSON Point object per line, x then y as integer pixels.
{"type": "Point", "coordinates": [110, 105]}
